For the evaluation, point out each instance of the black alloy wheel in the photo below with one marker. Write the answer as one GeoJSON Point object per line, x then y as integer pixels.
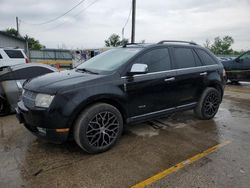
{"type": "Point", "coordinates": [102, 129]}
{"type": "Point", "coordinates": [98, 128]}
{"type": "Point", "coordinates": [208, 104]}
{"type": "Point", "coordinates": [211, 103]}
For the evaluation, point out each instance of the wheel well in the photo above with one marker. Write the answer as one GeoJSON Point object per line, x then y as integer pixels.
{"type": "Point", "coordinates": [218, 87]}
{"type": "Point", "coordinates": [104, 100]}
{"type": "Point", "coordinates": [113, 103]}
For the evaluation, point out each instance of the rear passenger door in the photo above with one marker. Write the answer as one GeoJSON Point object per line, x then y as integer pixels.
{"type": "Point", "coordinates": [190, 76]}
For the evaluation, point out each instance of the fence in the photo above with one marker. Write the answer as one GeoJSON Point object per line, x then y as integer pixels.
{"type": "Point", "coordinates": [54, 57]}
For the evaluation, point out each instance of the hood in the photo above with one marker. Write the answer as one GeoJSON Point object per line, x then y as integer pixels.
{"type": "Point", "coordinates": [227, 63]}
{"type": "Point", "coordinates": [53, 82]}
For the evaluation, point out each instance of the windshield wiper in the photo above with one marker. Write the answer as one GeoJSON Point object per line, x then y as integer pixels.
{"type": "Point", "coordinates": [88, 71]}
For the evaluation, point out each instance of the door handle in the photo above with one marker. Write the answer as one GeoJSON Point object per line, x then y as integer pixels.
{"type": "Point", "coordinates": [169, 79]}
{"type": "Point", "coordinates": [203, 73]}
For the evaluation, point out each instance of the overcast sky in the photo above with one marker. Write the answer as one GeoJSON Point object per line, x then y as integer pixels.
{"type": "Point", "coordinates": [88, 26]}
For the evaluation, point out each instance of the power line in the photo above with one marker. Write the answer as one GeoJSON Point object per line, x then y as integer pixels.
{"type": "Point", "coordinates": [126, 23]}
{"type": "Point", "coordinates": [80, 12]}
{"type": "Point", "coordinates": [58, 17]}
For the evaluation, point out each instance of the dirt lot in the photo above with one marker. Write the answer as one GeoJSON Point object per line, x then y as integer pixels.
{"type": "Point", "coordinates": [144, 150]}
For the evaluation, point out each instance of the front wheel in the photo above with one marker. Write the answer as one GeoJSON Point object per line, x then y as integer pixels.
{"type": "Point", "coordinates": [98, 128]}
{"type": "Point", "coordinates": [209, 104]}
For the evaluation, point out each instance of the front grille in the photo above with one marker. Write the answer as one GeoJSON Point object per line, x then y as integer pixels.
{"type": "Point", "coordinates": [29, 98]}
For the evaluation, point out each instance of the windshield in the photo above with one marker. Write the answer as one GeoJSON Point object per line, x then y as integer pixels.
{"type": "Point", "coordinates": [109, 60]}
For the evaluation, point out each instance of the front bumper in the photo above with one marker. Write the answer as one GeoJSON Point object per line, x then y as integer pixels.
{"type": "Point", "coordinates": [32, 121]}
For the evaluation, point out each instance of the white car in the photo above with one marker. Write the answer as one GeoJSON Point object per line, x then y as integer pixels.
{"type": "Point", "coordinates": [10, 57]}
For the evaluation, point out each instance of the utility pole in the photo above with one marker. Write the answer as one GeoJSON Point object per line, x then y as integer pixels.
{"type": "Point", "coordinates": [133, 21]}
{"type": "Point", "coordinates": [17, 25]}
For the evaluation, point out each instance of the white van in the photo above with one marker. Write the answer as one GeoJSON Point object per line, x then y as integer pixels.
{"type": "Point", "coordinates": [10, 56]}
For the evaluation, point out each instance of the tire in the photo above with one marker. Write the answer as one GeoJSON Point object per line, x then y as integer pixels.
{"type": "Point", "coordinates": [3, 107]}
{"type": "Point", "coordinates": [98, 128]}
{"type": "Point", "coordinates": [208, 104]}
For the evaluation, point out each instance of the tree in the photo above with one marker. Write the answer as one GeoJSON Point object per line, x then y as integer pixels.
{"type": "Point", "coordinates": [114, 41]}
{"type": "Point", "coordinates": [207, 44]}
{"type": "Point", "coordinates": [32, 43]}
{"type": "Point", "coordinates": [12, 31]}
{"type": "Point", "coordinates": [222, 46]}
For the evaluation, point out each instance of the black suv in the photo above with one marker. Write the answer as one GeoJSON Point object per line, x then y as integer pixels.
{"type": "Point", "coordinates": [130, 84]}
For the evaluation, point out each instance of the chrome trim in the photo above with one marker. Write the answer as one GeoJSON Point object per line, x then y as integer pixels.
{"type": "Point", "coordinates": [169, 79]}
{"type": "Point", "coordinates": [159, 72]}
{"type": "Point", "coordinates": [203, 73]}
{"type": "Point", "coordinates": [151, 113]}
{"type": "Point", "coordinates": [186, 105]}
{"type": "Point", "coordinates": [139, 68]}
{"type": "Point", "coordinates": [165, 110]}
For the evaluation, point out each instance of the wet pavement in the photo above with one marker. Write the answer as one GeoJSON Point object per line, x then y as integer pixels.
{"type": "Point", "coordinates": [143, 151]}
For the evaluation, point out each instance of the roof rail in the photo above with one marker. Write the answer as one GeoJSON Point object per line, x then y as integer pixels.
{"type": "Point", "coordinates": [127, 44]}
{"type": "Point", "coordinates": [176, 41]}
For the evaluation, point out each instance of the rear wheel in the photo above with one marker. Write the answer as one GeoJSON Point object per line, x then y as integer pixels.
{"type": "Point", "coordinates": [209, 104]}
{"type": "Point", "coordinates": [98, 128]}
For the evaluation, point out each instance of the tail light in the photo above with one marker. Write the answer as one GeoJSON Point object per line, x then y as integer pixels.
{"type": "Point", "coordinates": [26, 60]}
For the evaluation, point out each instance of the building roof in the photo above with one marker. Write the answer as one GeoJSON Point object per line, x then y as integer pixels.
{"type": "Point", "coordinates": [11, 36]}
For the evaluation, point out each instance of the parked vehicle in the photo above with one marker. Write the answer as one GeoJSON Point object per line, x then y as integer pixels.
{"type": "Point", "coordinates": [10, 57]}
{"type": "Point", "coordinates": [12, 79]}
{"type": "Point", "coordinates": [225, 58]}
{"type": "Point", "coordinates": [238, 69]}
{"type": "Point", "coordinates": [131, 84]}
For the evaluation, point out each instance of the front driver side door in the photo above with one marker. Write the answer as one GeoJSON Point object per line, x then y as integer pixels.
{"type": "Point", "coordinates": [152, 93]}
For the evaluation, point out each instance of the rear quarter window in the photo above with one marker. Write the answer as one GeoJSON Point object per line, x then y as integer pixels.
{"type": "Point", "coordinates": [205, 57]}
{"type": "Point", "coordinates": [14, 53]}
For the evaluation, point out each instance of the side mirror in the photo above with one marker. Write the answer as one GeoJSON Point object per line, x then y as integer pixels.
{"type": "Point", "coordinates": [138, 69]}
{"type": "Point", "coordinates": [238, 60]}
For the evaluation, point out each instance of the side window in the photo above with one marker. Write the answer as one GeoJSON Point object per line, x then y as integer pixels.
{"type": "Point", "coordinates": [14, 53]}
{"type": "Point", "coordinates": [184, 57]}
{"type": "Point", "coordinates": [197, 59]}
{"type": "Point", "coordinates": [206, 58]}
{"type": "Point", "coordinates": [157, 60]}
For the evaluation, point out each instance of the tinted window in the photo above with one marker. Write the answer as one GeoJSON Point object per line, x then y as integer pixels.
{"type": "Point", "coordinates": [197, 59]}
{"type": "Point", "coordinates": [157, 60]}
{"type": "Point", "coordinates": [184, 57]}
{"type": "Point", "coordinates": [206, 58]}
{"type": "Point", "coordinates": [14, 53]}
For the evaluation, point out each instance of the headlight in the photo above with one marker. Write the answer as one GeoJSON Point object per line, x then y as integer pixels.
{"type": "Point", "coordinates": [43, 100]}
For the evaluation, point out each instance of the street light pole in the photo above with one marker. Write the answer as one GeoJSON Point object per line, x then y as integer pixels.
{"type": "Point", "coordinates": [133, 21]}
